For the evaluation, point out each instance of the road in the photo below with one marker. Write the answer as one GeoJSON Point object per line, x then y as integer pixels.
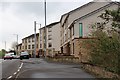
{"type": "Point", "coordinates": [39, 68]}
{"type": "Point", "coordinates": [0, 69]}
{"type": "Point", "coordinates": [10, 67]}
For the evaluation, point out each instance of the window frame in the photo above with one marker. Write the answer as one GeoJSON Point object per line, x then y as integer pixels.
{"type": "Point", "coordinates": [80, 30]}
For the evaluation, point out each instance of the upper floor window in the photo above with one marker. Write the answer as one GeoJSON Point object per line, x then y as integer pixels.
{"type": "Point", "coordinates": [32, 39]}
{"type": "Point", "coordinates": [50, 29]}
{"type": "Point", "coordinates": [80, 29]}
{"type": "Point", "coordinates": [29, 40]}
{"type": "Point", "coordinates": [49, 44]}
{"type": "Point", "coordinates": [25, 47]}
{"type": "Point", "coordinates": [25, 40]}
{"type": "Point", "coordinates": [73, 30]}
{"type": "Point", "coordinates": [29, 46]}
{"type": "Point", "coordinates": [49, 37]}
{"type": "Point", "coordinates": [40, 45]}
{"type": "Point", "coordinates": [33, 46]}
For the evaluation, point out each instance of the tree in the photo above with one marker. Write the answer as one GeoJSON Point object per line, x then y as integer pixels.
{"type": "Point", "coordinates": [105, 49]}
{"type": "Point", "coordinates": [114, 16]}
{"type": "Point", "coordinates": [14, 44]}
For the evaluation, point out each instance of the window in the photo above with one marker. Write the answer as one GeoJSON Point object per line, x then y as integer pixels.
{"type": "Point", "coordinates": [73, 30]}
{"type": "Point", "coordinates": [25, 47]}
{"type": "Point", "coordinates": [50, 29]}
{"type": "Point", "coordinates": [73, 48]}
{"type": "Point", "coordinates": [25, 40]}
{"type": "Point", "coordinates": [40, 45]}
{"type": "Point", "coordinates": [20, 47]}
{"type": "Point", "coordinates": [49, 44]}
{"type": "Point", "coordinates": [65, 37]}
{"type": "Point", "coordinates": [32, 39]}
{"type": "Point", "coordinates": [99, 25]}
{"type": "Point", "coordinates": [29, 40]}
{"type": "Point", "coordinates": [32, 46]}
{"type": "Point", "coordinates": [22, 41]}
{"type": "Point", "coordinates": [80, 30]}
{"type": "Point", "coordinates": [29, 46]}
{"type": "Point", "coordinates": [49, 37]}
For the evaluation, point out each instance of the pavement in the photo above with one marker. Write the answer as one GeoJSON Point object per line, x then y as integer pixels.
{"type": "Point", "coordinates": [39, 68]}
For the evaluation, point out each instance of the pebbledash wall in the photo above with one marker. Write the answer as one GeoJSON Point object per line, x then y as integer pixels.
{"type": "Point", "coordinates": [78, 28]}
{"type": "Point", "coordinates": [52, 39]}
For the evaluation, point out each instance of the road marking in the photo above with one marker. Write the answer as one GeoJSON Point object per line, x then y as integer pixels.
{"type": "Point", "coordinates": [21, 66]}
{"type": "Point", "coordinates": [18, 70]}
{"type": "Point", "coordinates": [15, 73]}
{"type": "Point", "coordinates": [9, 77]}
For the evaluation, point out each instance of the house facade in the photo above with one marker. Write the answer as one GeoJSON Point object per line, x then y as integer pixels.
{"type": "Point", "coordinates": [19, 46]}
{"type": "Point", "coordinates": [28, 44]}
{"type": "Point", "coordinates": [42, 41]}
{"type": "Point", "coordinates": [52, 39]}
{"type": "Point", "coordinates": [75, 26]}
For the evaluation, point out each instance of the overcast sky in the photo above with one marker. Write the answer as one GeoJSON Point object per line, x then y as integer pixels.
{"type": "Point", "coordinates": [17, 17]}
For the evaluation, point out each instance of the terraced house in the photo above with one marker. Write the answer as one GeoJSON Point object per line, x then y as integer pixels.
{"type": "Point", "coordinates": [75, 26]}
{"type": "Point", "coordinates": [28, 44]}
{"type": "Point", "coordinates": [19, 46]}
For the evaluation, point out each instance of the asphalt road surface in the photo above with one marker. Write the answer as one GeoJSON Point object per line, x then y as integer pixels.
{"type": "Point", "coordinates": [39, 68]}
{"type": "Point", "coordinates": [0, 69]}
{"type": "Point", "coordinates": [10, 68]}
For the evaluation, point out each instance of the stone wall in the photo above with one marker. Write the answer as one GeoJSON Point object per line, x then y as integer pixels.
{"type": "Point", "coordinates": [80, 50]}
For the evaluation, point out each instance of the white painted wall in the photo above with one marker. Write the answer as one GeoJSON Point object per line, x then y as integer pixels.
{"type": "Point", "coordinates": [85, 10]}
{"type": "Point", "coordinates": [90, 20]}
{"type": "Point", "coordinates": [56, 36]}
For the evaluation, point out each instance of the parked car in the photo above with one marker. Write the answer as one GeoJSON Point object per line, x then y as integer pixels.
{"type": "Point", "coordinates": [16, 56]}
{"type": "Point", "coordinates": [8, 56]}
{"type": "Point", "coordinates": [24, 55]}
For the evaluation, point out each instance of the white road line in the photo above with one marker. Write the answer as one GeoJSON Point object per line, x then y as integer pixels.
{"type": "Point", "coordinates": [21, 66]}
{"type": "Point", "coordinates": [18, 70]}
{"type": "Point", "coordinates": [9, 77]}
{"type": "Point", "coordinates": [15, 73]}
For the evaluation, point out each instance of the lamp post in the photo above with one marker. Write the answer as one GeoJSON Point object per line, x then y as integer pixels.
{"type": "Point", "coordinates": [34, 39]}
{"type": "Point", "coordinates": [5, 45]}
{"type": "Point", "coordinates": [45, 45]}
{"type": "Point", "coordinates": [17, 43]}
{"type": "Point", "coordinates": [35, 23]}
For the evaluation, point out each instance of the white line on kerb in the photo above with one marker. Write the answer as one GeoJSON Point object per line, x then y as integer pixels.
{"type": "Point", "coordinates": [9, 77]}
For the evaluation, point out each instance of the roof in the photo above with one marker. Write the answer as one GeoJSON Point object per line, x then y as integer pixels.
{"type": "Point", "coordinates": [52, 24]}
{"type": "Point", "coordinates": [30, 36]}
{"type": "Point", "coordinates": [91, 13]}
{"type": "Point", "coordinates": [19, 44]}
{"type": "Point", "coordinates": [76, 9]}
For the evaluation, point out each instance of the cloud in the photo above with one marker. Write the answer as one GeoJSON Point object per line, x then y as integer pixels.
{"type": "Point", "coordinates": [18, 18]}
